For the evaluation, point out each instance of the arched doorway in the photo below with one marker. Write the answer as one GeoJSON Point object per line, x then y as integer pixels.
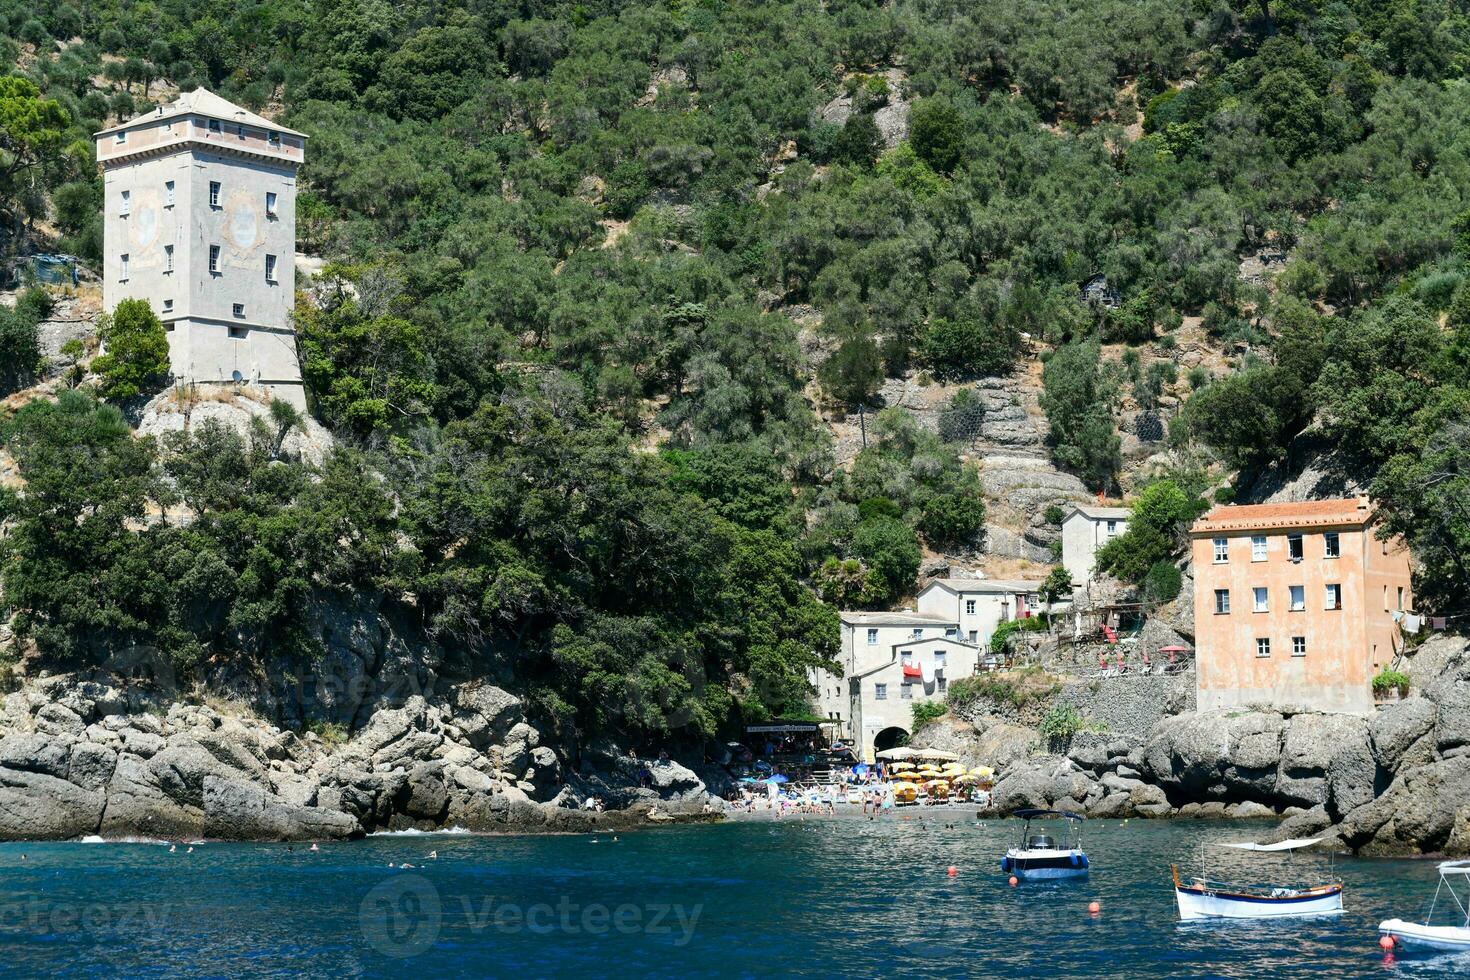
{"type": "Point", "coordinates": [890, 738]}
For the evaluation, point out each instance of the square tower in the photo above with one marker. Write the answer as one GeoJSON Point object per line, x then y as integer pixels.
{"type": "Point", "coordinates": [200, 221]}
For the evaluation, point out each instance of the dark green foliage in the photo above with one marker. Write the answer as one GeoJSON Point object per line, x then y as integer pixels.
{"type": "Point", "coordinates": [1160, 516]}
{"type": "Point", "coordinates": [967, 346]}
{"type": "Point", "coordinates": [937, 134]}
{"type": "Point", "coordinates": [20, 350]}
{"type": "Point", "coordinates": [1078, 406]}
{"type": "Point", "coordinates": [890, 553]}
{"type": "Point", "coordinates": [1163, 581]}
{"type": "Point", "coordinates": [135, 358]}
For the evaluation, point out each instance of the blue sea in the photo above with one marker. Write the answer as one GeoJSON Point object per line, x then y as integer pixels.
{"type": "Point", "coordinates": [813, 898]}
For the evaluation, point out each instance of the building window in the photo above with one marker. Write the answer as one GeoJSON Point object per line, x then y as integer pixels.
{"type": "Point", "coordinates": [270, 204]}
{"type": "Point", "coordinates": [238, 333]}
{"type": "Point", "coordinates": [273, 137]}
{"type": "Point", "coordinates": [168, 193]}
{"type": "Point", "coordinates": [1222, 550]}
{"type": "Point", "coordinates": [1261, 598]}
{"type": "Point", "coordinates": [126, 207]}
{"type": "Point", "coordinates": [123, 259]}
{"type": "Point", "coordinates": [880, 692]}
{"type": "Point", "coordinates": [120, 137]}
{"type": "Point", "coordinates": [872, 638]}
{"type": "Point", "coordinates": [214, 193]}
{"type": "Point", "coordinates": [1401, 598]}
{"type": "Point", "coordinates": [974, 635]}
{"type": "Point", "coordinates": [1263, 646]}
{"type": "Point", "coordinates": [1385, 598]}
{"type": "Point", "coordinates": [906, 657]}
{"type": "Point", "coordinates": [1222, 601]}
{"type": "Point", "coordinates": [951, 632]}
{"type": "Point", "coordinates": [168, 258]}
{"type": "Point", "coordinates": [270, 268]}
{"type": "Point", "coordinates": [1112, 528]}
{"type": "Point", "coordinates": [214, 259]}
{"type": "Point", "coordinates": [942, 683]}
{"type": "Point", "coordinates": [168, 306]}
{"type": "Point", "coordinates": [1298, 598]}
{"type": "Point", "coordinates": [1298, 646]}
{"type": "Point", "coordinates": [1258, 547]}
{"type": "Point", "coordinates": [1330, 547]}
{"type": "Point", "coordinates": [239, 131]}
{"type": "Point", "coordinates": [969, 607]}
{"type": "Point", "coordinates": [918, 632]}
{"type": "Point", "coordinates": [1334, 596]}
{"type": "Point", "coordinates": [238, 309]}
{"type": "Point", "coordinates": [214, 126]}
{"type": "Point", "coordinates": [906, 691]}
{"type": "Point", "coordinates": [941, 658]}
{"type": "Point", "coordinates": [1294, 547]}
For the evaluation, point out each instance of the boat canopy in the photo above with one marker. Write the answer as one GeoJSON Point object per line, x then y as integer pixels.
{"type": "Point", "coordinates": [1286, 845]}
{"type": "Point", "coordinates": [1031, 814]}
{"type": "Point", "coordinates": [1454, 868]}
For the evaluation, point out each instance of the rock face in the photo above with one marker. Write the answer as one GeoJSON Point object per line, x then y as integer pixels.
{"type": "Point", "coordinates": [78, 757]}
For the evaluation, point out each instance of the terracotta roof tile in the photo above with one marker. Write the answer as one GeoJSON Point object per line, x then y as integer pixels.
{"type": "Point", "coordinates": [1352, 511]}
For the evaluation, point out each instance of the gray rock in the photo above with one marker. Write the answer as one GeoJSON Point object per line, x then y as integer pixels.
{"type": "Point", "coordinates": [1353, 778]}
{"type": "Point", "coordinates": [1111, 806]}
{"type": "Point", "coordinates": [1420, 812]}
{"type": "Point", "coordinates": [1216, 754]}
{"type": "Point", "coordinates": [1451, 695]}
{"type": "Point", "coordinates": [91, 765]}
{"type": "Point", "coordinates": [38, 806]}
{"type": "Point", "coordinates": [58, 719]}
{"type": "Point", "coordinates": [1311, 743]}
{"type": "Point", "coordinates": [1023, 787]}
{"type": "Point", "coordinates": [1399, 726]}
{"type": "Point", "coordinates": [1145, 794]}
{"type": "Point", "coordinates": [180, 770]}
{"type": "Point", "coordinates": [499, 710]}
{"type": "Point", "coordinates": [236, 810]}
{"type": "Point", "coordinates": [1249, 810]}
{"type": "Point", "coordinates": [138, 806]}
{"type": "Point", "coordinates": [427, 795]}
{"type": "Point", "coordinates": [35, 753]}
{"type": "Point", "coordinates": [144, 744]}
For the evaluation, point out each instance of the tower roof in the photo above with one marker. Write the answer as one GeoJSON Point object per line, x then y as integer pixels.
{"type": "Point", "coordinates": [202, 102]}
{"type": "Point", "coordinates": [1346, 512]}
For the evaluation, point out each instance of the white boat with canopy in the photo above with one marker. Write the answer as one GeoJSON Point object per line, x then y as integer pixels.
{"type": "Point", "coordinates": [1201, 897]}
{"type": "Point", "coordinates": [1417, 936]}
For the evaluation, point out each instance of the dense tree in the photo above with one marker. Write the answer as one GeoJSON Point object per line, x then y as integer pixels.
{"type": "Point", "coordinates": [1078, 407]}
{"type": "Point", "coordinates": [135, 350]}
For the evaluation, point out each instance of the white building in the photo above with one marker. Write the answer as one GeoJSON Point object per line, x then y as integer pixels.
{"type": "Point", "coordinates": [200, 221]}
{"type": "Point", "coordinates": [892, 659]}
{"type": "Point", "coordinates": [1084, 530]}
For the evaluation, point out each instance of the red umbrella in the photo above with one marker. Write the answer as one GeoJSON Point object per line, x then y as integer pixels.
{"type": "Point", "coordinates": [1173, 649]}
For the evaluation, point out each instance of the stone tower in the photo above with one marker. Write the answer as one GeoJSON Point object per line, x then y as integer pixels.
{"type": "Point", "coordinates": [200, 202]}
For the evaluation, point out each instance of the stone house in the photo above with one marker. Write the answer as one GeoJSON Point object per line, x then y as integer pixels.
{"type": "Point", "coordinates": [1296, 605]}
{"type": "Point", "coordinates": [1084, 530]}
{"type": "Point", "coordinates": [890, 660]}
{"type": "Point", "coordinates": [200, 221]}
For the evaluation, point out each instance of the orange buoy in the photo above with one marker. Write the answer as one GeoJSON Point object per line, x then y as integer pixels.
{"type": "Point", "coordinates": [1013, 881]}
{"type": "Point", "coordinates": [1385, 942]}
{"type": "Point", "coordinates": [953, 871]}
{"type": "Point", "coordinates": [1094, 907]}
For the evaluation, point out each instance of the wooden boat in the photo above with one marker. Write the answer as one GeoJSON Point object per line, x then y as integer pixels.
{"type": "Point", "coordinates": [1424, 937]}
{"type": "Point", "coordinates": [1202, 898]}
{"type": "Point", "coordinates": [1040, 856]}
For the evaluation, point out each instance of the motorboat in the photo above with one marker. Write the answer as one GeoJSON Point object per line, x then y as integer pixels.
{"type": "Point", "coordinates": [1424, 937]}
{"type": "Point", "coordinates": [1201, 897]}
{"type": "Point", "coordinates": [1042, 855]}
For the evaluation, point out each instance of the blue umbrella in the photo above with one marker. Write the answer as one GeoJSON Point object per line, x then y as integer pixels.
{"type": "Point", "coordinates": [778, 778]}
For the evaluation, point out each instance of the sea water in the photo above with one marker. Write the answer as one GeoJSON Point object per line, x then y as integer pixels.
{"type": "Point", "coordinates": [812, 898]}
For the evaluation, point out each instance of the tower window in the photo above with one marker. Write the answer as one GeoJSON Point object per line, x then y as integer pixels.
{"type": "Point", "coordinates": [214, 193]}
{"type": "Point", "coordinates": [238, 333]}
{"type": "Point", "coordinates": [120, 137]}
{"type": "Point", "coordinates": [123, 259]}
{"type": "Point", "coordinates": [168, 307]}
{"type": "Point", "coordinates": [127, 204]}
{"type": "Point", "coordinates": [270, 268]}
{"type": "Point", "coordinates": [168, 258]}
{"type": "Point", "coordinates": [1222, 551]}
{"type": "Point", "coordinates": [214, 260]}
{"type": "Point", "coordinates": [168, 193]}
{"type": "Point", "coordinates": [239, 309]}
{"type": "Point", "coordinates": [270, 204]}
{"type": "Point", "coordinates": [1263, 647]}
{"type": "Point", "coordinates": [1298, 646]}
{"type": "Point", "coordinates": [214, 126]}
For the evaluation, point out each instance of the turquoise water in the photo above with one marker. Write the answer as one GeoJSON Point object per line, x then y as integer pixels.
{"type": "Point", "coordinates": [813, 899]}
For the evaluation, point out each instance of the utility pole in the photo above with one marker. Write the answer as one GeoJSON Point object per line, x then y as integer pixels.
{"type": "Point", "coordinates": [863, 424]}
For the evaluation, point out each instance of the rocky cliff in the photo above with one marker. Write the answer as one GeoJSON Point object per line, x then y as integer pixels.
{"type": "Point", "coordinates": [81, 757]}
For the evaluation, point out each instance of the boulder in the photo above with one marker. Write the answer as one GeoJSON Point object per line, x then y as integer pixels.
{"type": "Point", "coordinates": [427, 794]}
{"type": "Point", "coordinates": [138, 805]}
{"type": "Point", "coordinates": [1311, 744]}
{"type": "Point", "coordinates": [1216, 755]}
{"type": "Point", "coordinates": [1026, 786]}
{"type": "Point", "coordinates": [31, 752]}
{"type": "Point", "coordinates": [38, 806]}
{"type": "Point", "coordinates": [1249, 810]}
{"type": "Point", "coordinates": [91, 765]}
{"type": "Point", "coordinates": [494, 712]}
{"type": "Point", "coordinates": [1111, 806]}
{"type": "Point", "coordinates": [1451, 695]}
{"type": "Point", "coordinates": [1418, 813]}
{"type": "Point", "coordinates": [237, 810]}
{"type": "Point", "coordinates": [1399, 726]}
{"type": "Point", "coordinates": [180, 770]}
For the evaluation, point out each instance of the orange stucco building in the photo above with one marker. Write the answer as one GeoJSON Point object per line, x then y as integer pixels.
{"type": "Point", "coordinates": [1294, 604]}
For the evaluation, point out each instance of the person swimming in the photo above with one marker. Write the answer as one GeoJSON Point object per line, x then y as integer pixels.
{"type": "Point", "coordinates": [433, 855]}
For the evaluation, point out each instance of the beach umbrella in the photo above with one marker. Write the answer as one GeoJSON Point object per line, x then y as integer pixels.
{"type": "Point", "coordinates": [907, 775]}
{"type": "Point", "coordinates": [983, 771]}
{"type": "Point", "coordinates": [901, 766]}
{"type": "Point", "coordinates": [966, 778]}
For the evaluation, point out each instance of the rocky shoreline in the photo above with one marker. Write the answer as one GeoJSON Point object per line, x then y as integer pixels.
{"type": "Point", "coordinates": [1395, 783]}
{"type": "Point", "coordinates": [79, 758]}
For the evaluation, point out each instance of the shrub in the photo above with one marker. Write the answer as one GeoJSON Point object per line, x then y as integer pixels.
{"type": "Point", "coordinates": [1163, 582]}
{"type": "Point", "coordinates": [1061, 722]}
{"type": "Point", "coordinates": [927, 711]}
{"type": "Point", "coordinates": [1054, 515]}
{"type": "Point", "coordinates": [1390, 679]}
{"type": "Point", "coordinates": [952, 518]}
